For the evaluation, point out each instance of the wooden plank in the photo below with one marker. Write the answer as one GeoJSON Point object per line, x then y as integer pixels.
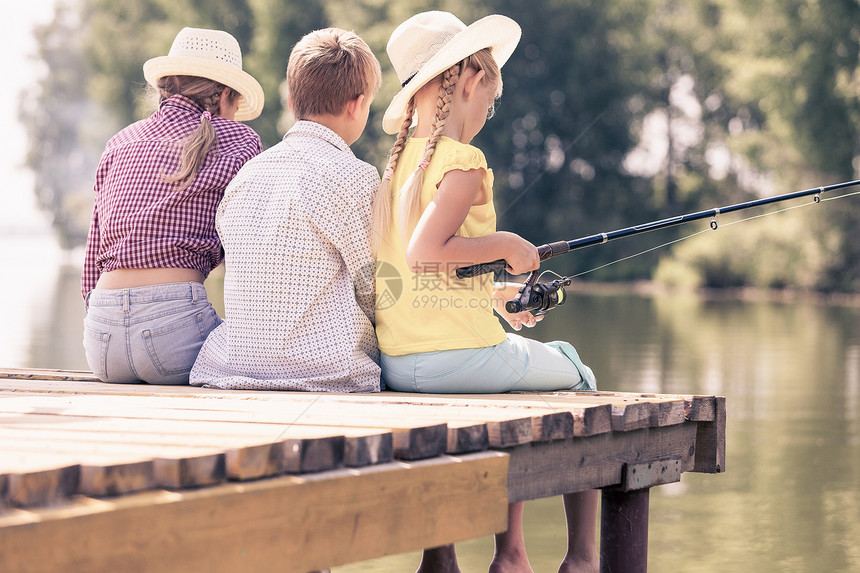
{"type": "Point", "coordinates": [631, 416]}
{"type": "Point", "coordinates": [411, 439]}
{"type": "Point", "coordinates": [546, 425]}
{"type": "Point", "coordinates": [505, 427]}
{"type": "Point", "coordinates": [702, 408]}
{"type": "Point", "coordinates": [362, 446]}
{"type": "Point", "coordinates": [421, 442]}
{"type": "Point", "coordinates": [276, 524]}
{"type": "Point", "coordinates": [115, 468]}
{"type": "Point", "coordinates": [464, 426]}
{"type": "Point", "coordinates": [711, 441]}
{"type": "Point", "coordinates": [630, 409]}
{"type": "Point", "coordinates": [195, 471]}
{"type": "Point", "coordinates": [627, 413]}
{"type": "Point", "coordinates": [39, 484]}
{"type": "Point", "coordinates": [695, 407]}
{"type": "Point", "coordinates": [666, 412]}
{"type": "Point", "coordinates": [53, 382]}
{"type": "Point", "coordinates": [46, 374]}
{"type": "Point", "coordinates": [106, 451]}
{"type": "Point", "coordinates": [551, 425]}
{"type": "Point", "coordinates": [669, 413]}
{"type": "Point", "coordinates": [32, 479]}
{"type": "Point", "coordinates": [587, 421]}
{"type": "Point", "coordinates": [588, 418]}
{"type": "Point", "coordinates": [644, 475]}
{"type": "Point", "coordinates": [698, 408]}
{"type": "Point", "coordinates": [466, 437]}
{"type": "Point", "coordinates": [368, 445]}
{"type": "Point", "coordinates": [512, 432]}
{"type": "Point", "coordinates": [592, 419]}
{"type": "Point", "coordinates": [184, 461]}
{"type": "Point", "coordinates": [548, 422]}
{"type": "Point", "coordinates": [547, 469]}
{"type": "Point", "coordinates": [176, 465]}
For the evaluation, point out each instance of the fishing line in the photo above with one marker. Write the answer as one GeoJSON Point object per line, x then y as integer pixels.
{"type": "Point", "coordinates": [548, 271]}
{"type": "Point", "coordinates": [690, 236]}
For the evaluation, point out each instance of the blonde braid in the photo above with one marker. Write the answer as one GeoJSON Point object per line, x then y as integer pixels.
{"type": "Point", "coordinates": [410, 203]}
{"type": "Point", "coordinates": [383, 200]}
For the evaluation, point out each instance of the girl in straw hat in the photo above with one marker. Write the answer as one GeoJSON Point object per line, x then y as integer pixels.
{"type": "Point", "coordinates": [433, 214]}
{"type": "Point", "coordinates": [152, 239]}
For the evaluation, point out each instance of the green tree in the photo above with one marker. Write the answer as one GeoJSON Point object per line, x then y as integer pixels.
{"type": "Point", "coordinates": [279, 25]}
{"type": "Point", "coordinates": [562, 129]}
{"type": "Point", "coordinates": [749, 99]}
{"type": "Point", "coordinates": [787, 79]}
{"type": "Point", "coordinates": [94, 51]}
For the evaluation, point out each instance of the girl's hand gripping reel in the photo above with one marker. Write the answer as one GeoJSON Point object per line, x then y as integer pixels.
{"type": "Point", "coordinates": [538, 298]}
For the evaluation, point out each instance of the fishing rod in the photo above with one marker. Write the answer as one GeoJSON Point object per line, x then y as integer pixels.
{"type": "Point", "coordinates": [542, 297]}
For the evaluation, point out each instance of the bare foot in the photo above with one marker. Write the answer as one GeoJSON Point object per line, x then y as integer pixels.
{"type": "Point", "coordinates": [580, 511]}
{"type": "Point", "coordinates": [439, 560]}
{"type": "Point", "coordinates": [512, 561]}
{"type": "Point", "coordinates": [510, 554]}
{"type": "Point", "coordinates": [580, 564]}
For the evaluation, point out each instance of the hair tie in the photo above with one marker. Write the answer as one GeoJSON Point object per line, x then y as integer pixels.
{"type": "Point", "coordinates": [423, 165]}
{"type": "Point", "coordinates": [389, 173]}
{"type": "Point", "coordinates": [207, 115]}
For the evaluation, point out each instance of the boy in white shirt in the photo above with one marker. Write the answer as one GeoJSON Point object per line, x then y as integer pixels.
{"type": "Point", "coordinates": [295, 225]}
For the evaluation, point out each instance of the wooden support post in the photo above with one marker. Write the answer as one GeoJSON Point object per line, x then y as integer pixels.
{"type": "Point", "coordinates": [624, 531]}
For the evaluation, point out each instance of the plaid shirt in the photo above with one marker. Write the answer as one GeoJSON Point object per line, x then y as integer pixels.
{"type": "Point", "coordinates": [139, 220]}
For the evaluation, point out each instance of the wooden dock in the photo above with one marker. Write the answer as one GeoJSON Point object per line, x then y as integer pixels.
{"type": "Point", "coordinates": [103, 477]}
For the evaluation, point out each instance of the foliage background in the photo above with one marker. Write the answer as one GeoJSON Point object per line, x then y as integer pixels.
{"type": "Point", "coordinates": [614, 113]}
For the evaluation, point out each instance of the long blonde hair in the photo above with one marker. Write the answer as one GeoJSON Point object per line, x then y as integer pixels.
{"type": "Point", "coordinates": [410, 202]}
{"type": "Point", "coordinates": [197, 144]}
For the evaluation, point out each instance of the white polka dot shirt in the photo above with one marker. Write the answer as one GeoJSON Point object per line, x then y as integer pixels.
{"type": "Point", "coordinates": [299, 288]}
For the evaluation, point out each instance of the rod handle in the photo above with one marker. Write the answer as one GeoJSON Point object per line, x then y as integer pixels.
{"type": "Point", "coordinates": [480, 269]}
{"type": "Point", "coordinates": [544, 252]}
{"type": "Point", "coordinates": [553, 249]}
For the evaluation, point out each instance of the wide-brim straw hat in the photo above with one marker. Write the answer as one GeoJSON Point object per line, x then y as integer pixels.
{"type": "Point", "coordinates": [214, 55]}
{"type": "Point", "coordinates": [429, 43]}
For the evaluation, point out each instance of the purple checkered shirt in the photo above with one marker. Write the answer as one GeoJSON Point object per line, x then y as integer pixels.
{"type": "Point", "coordinates": [139, 220]}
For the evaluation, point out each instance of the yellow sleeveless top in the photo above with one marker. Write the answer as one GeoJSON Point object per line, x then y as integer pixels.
{"type": "Point", "coordinates": [435, 310]}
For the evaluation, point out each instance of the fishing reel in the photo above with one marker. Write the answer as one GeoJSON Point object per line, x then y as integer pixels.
{"type": "Point", "coordinates": [538, 298]}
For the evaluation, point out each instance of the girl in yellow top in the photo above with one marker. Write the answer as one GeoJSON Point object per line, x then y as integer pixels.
{"type": "Point", "coordinates": [433, 214]}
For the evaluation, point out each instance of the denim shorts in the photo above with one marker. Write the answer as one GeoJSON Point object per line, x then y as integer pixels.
{"type": "Point", "coordinates": [518, 363]}
{"type": "Point", "coordinates": [149, 334]}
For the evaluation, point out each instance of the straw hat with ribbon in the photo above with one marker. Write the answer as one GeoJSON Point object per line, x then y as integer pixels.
{"type": "Point", "coordinates": [210, 54]}
{"type": "Point", "coordinates": [429, 43]}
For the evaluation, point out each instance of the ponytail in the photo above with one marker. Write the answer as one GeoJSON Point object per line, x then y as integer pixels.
{"type": "Point", "coordinates": [195, 147]}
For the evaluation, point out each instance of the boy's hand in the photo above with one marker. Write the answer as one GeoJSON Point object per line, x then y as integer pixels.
{"type": "Point", "coordinates": [503, 292]}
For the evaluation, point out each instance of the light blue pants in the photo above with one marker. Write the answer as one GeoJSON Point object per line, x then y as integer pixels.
{"type": "Point", "coordinates": [150, 334]}
{"type": "Point", "coordinates": [518, 363]}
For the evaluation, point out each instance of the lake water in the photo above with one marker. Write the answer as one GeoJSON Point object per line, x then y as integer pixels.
{"type": "Point", "coordinates": [789, 500]}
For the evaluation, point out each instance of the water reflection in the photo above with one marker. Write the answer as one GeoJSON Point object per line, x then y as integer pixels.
{"type": "Point", "coordinates": [41, 310]}
{"type": "Point", "coordinates": [790, 371]}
